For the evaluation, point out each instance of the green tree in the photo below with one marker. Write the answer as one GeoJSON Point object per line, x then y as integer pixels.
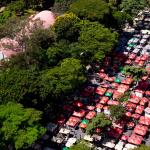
{"type": "Point", "coordinates": [142, 147]}
{"type": "Point", "coordinates": [100, 121]}
{"type": "Point", "coordinates": [94, 41]}
{"type": "Point", "coordinates": [135, 71]}
{"type": "Point", "coordinates": [133, 6]}
{"type": "Point", "coordinates": [18, 86]}
{"type": "Point", "coordinates": [65, 26]}
{"type": "Point", "coordinates": [117, 111]}
{"type": "Point", "coordinates": [81, 145]}
{"type": "Point", "coordinates": [94, 10]}
{"type": "Point", "coordinates": [125, 97]}
{"type": "Point", "coordinates": [62, 80]}
{"type": "Point", "coordinates": [122, 18]}
{"type": "Point", "coordinates": [58, 51]}
{"type": "Point", "coordinates": [19, 126]}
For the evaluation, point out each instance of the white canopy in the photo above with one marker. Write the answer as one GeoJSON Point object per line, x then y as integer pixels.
{"type": "Point", "coordinates": [64, 131]}
{"type": "Point", "coordinates": [70, 142]}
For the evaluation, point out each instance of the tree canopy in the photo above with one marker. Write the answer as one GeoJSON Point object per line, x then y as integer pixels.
{"type": "Point", "coordinates": [62, 80]}
{"type": "Point", "coordinates": [81, 145]}
{"type": "Point", "coordinates": [133, 6]}
{"type": "Point", "coordinates": [135, 71]}
{"type": "Point", "coordinates": [100, 121]}
{"type": "Point", "coordinates": [94, 10]}
{"type": "Point", "coordinates": [65, 26]}
{"type": "Point", "coordinates": [142, 147]}
{"type": "Point", "coordinates": [19, 126]}
{"type": "Point", "coordinates": [100, 40]}
{"type": "Point", "coordinates": [117, 111]}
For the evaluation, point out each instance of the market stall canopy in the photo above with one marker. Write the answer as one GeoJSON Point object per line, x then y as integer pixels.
{"type": "Point", "coordinates": [104, 100]}
{"type": "Point", "coordinates": [100, 90]}
{"type": "Point", "coordinates": [80, 113]}
{"type": "Point", "coordinates": [140, 129]}
{"type": "Point", "coordinates": [72, 121]}
{"type": "Point", "coordinates": [135, 116]}
{"type": "Point", "coordinates": [112, 102]}
{"type": "Point", "coordinates": [115, 85]}
{"type": "Point", "coordinates": [70, 142]}
{"type": "Point", "coordinates": [135, 139]}
{"type": "Point", "coordinates": [90, 115]}
{"type": "Point", "coordinates": [139, 109]}
{"type": "Point", "coordinates": [144, 120]}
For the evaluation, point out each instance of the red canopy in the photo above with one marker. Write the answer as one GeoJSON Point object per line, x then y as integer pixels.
{"type": "Point", "coordinates": [130, 124]}
{"type": "Point", "coordinates": [79, 113]}
{"type": "Point", "coordinates": [135, 139]}
{"type": "Point", "coordinates": [140, 129]}
{"type": "Point", "coordinates": [145, 77]}
{"type": "Point", "coordinates": [147, 93]}
{"type": "Point", "coordinates": [90, 115]}
{"type": "Point", "coordinates": [127, 81]}
{"type": "Point", "coordinates": [135, 116]}
{"type": "Point", "coordinates": [104, 100]}
{"type": "Point", "coordinates": [122, 88]}
{"type": "Point", "coordinates": [73, 121]}
{"type": "Point", "coordinates": [134, 100]}
{"type": "Point", "coordinates": [144, 120]}
{"type": "Point", "coordinates": [141, 63]}
{"type": "Point", "coordinates": [78, 104]}
{"type": "Point", "coordinates": [115, 85]}
{"type": "Point", "coordinates": [139, 109]}
{"type": "Point", "coordinates": [143, 101]}
{"type": "Point", "coordinates": [117, 94]}
{"type": "Point", "coordinates": [102, 75]}
{"type": "Point", "coordinates": [110, 79]}
{"type": "Point", "coordinates": [124, 138]}
{"type": "Point", "coordinates": [137, 59]}
{"type": "Point", "coordinates": [132, 56]}
{"type": "Point", "coordinates": [130, 107]}
{"type": "Point", "coordinates": [105, 107]}
{"type": "Point", "coordinates": [111, 102]}
{"type": "Point", "coordinates": [100, 90]}
{"type": "Point", "coordinates": [144, 57]}
{"type": "Point", "coordinates": [128, 114]}
{"type": "Point", "coordinates": [128, 61]}
{"type": "Point", "coordinates": [99, 106]}
{"type": "Point", "coordinates": [115, 132]}
{"type": "Point", "coordinates": [82, 125]}
{"type": "Point", "coordinates": [90, 107]}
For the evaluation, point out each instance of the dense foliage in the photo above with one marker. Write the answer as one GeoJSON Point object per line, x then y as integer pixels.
{"type": "Point", "coordinates": [142, 147]}
{"type": "Point", "coordinates": [117, 111]}
{"type": "Point", "coordinates": [100, 121]}
{"type": "Point", "coordinates": [81, 145]}
{"type": "Point", "coordinates": [19, 126]}
{"type": "Point", "coordinates": [133, 6]}
{"type": "Point", "coordinates": [136, 72]}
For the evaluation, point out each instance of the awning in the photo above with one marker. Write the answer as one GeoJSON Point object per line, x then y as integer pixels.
{"type": "Point", "coordinates": [79, 113]}
{"type": "Point", "coordinates": [144, 120]}
{"type": "Point", "coordinates": [73, 121]}
{"type": "Point", "coordinates": [104, 100]}
{"type": "Point", "coordinates": [135, 139]}
{"type": "Point", "coordinates": [140, 129]}
{"type": "Point", "coordinates": [90, 115]}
